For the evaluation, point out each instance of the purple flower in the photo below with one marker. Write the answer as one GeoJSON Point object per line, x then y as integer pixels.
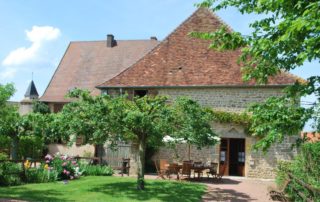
{"type": "Point", "coordinates": [74, 162]}
{"type": "Point", "coordinates": [65, 171]}
{"type": "Point", "coordinates": [64, 164]}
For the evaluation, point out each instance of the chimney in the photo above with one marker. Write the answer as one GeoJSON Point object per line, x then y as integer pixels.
{"type": "Point", "coordinates": [153, 38]}
{"type": "Point", "coordinates": [110, 41]}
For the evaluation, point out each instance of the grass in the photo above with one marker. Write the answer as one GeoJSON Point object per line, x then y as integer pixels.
{"type": "Point", "coordinates": [96, 188]}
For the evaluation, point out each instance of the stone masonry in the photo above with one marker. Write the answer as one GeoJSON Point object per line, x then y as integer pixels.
{"type": "Point", "coordinates": [257, 164]}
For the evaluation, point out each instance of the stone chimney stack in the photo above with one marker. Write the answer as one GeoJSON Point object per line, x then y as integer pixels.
{"type": "Point", "coordinates": [110, 41]}
{"type": "Point", "coordinates": [153, 38]}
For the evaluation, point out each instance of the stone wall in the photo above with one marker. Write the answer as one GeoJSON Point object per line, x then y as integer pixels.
{"type": "Point", "coordinates": [73, 150]}
{"type": "Point", "coordinates": [224, 98]}
{"type": "Point", "coordinates": [257, 164]}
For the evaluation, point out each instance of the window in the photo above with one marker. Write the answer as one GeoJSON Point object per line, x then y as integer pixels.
{"type": "Point", "coordinates": [140, 93]}
{"type": "Point", "coordinates": [104, 92]}
{"type": "Point", "coordinates": [241, 157]}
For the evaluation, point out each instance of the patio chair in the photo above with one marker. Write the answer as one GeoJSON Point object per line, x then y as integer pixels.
{"type": "Point", "coordinates": [173, 169]}
{"type": "Point", "coordinates": [186, 169]}
{"type": "Point", "coordinates": [162, 168]}
{"type": "Point", "coordinates": [213, 170]}
{"type": "Point", "coordinates": [197, 164]}
{"type": "Point", "coordinates": [125, 168]}
{"type": "Point", "coordinates": [221, 172]}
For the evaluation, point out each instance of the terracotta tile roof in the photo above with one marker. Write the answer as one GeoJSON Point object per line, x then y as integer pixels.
{"type": "Point", "coordinates": [180, 60]}
{"type": "Point", "coordinates": [87, 64]}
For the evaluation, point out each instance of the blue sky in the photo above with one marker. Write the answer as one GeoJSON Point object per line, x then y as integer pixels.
{"type": "Point", "coordinates": [35, 33]}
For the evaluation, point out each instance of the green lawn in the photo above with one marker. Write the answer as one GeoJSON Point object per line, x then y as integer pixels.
{"type": "Point", "coordinates": [106, 189]}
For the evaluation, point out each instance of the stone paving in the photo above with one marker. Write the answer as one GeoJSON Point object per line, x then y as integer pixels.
{"type": "Point", "coordinates": [238, 189]}
{"type": "Point", "coordinates": [234, 189]}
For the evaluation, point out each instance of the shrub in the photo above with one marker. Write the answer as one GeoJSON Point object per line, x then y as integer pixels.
{"type": "Point", "coordinates": [66, 167]}
{"type": "Point", "coordinates": [40, 175]}
{"type": "Point", "coordinates": [304, 167]}
{"type": "Point", "coordinates": [31, 147]}
{"type": "Point", "coordinates": [10, 174]}
{"type": "Point", "coordinates": [3, 156]}
{"type": "Point", "coordinates": [96, 170]}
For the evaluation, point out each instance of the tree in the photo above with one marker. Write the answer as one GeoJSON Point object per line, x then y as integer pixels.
{"type": "Point", "coordinates": [143, 121]}
{"type": "Point", "coordinates": [33, 126]}
{"type": "Point", "coordinates": [40, 107]}
{"type": "Point", "coordinates": [288, 36]}
{"type": "Point", "coordinates": [9, 115]}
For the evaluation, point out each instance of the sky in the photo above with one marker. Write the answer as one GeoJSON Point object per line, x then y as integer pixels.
{"type": "Point", "coordinates": [35, 33]}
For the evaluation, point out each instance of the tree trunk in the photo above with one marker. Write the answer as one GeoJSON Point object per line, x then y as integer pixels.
{"type": "Point", "coordinates": [14, 148]}
{"type": "Point", "coordinates": [98, 150]}
{"type": "Point", "coordinates": [141, 162]}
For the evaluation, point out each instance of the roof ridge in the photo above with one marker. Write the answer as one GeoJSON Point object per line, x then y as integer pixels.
{"type": "Point", "coordinates": [116, 40]}
{"type": "Point", "coordinates": [183, 22]}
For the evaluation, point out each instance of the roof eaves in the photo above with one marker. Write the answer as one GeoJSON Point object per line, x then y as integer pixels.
{"type": "Point", "coordinates": [200, 86]}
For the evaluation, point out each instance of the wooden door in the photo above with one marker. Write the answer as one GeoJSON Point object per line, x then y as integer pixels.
{"type": "Point", "coordinates": [114, 157]}
{"type": "Point", "coordinates": [232, 155]}
{"type": "Point", "coordinates": [224, 155]}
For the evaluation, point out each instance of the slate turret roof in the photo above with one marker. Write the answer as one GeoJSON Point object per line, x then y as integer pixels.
{"type": "Point", "coordinates": [31, 92]}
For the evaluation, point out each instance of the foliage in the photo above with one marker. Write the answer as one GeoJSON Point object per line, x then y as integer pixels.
{"type": "Point", "coordinates": [26, 130]}
{"type": "Point", "coordinates": [275, 119]}
{"type": "Point", "coordinates": [40, 175]}
{"type": "Point", "coordinates": [40, 107]}
{"type": "Point", "coordinates": [286, 35]}
{"type": "Point", "coordinates": [3, 156]}
{"type": "Point", "coordinates": [192, 123]}
{"type": "Point", "coordinates": [111, 189]}
{"type": "Point", "coordinates": [10, 174]}
{"type": "Point", "coordinates": [144, 121]}
{"type": "Point", "coordinates": [31, 147]}
{"type": "Point", "coordinates": [304, 167]}
{"type": "Point", "coordinates": [231, 117]}
{"type": "Point", "coordinates": [96, 170]}
{"type": "Point", "coordinates": [4, 143]}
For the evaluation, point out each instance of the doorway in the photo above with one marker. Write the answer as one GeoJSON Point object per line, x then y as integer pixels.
{"type": "Point", "coordinates": [232, 156]}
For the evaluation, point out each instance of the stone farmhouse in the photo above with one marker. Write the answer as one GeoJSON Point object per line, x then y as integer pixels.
{"type": "Point", "coordinates": [177, 66]}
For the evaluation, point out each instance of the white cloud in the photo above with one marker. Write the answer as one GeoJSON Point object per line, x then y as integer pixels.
{"type": "Point", "coordinates": [38, 36]}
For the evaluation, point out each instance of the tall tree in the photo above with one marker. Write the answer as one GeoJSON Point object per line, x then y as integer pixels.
{"type": "Point", "coordinates": [143, 121]}
{"type": "Point", "coordinates": [8, 117]}
{"type": "Point", "coordinates": [14, 126]}
{"type": "Point", "coordinates": [287, 35]}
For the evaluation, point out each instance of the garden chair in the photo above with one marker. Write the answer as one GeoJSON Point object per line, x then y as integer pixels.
{"type": "Point", "coordinates": [197, 164]}
{"type": "Point", "coordinates": [213, 170]}
{"type": "Point", "coordinates": [221, 172]}
{"type": "Point", "coordinates": [162, 168]}
{"type": "Point", "coordinates": [125, 168]}
{"type": "Point", "coordinates": [186, 169]}
{"type": "Point", "coordinates": [174, 169]}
